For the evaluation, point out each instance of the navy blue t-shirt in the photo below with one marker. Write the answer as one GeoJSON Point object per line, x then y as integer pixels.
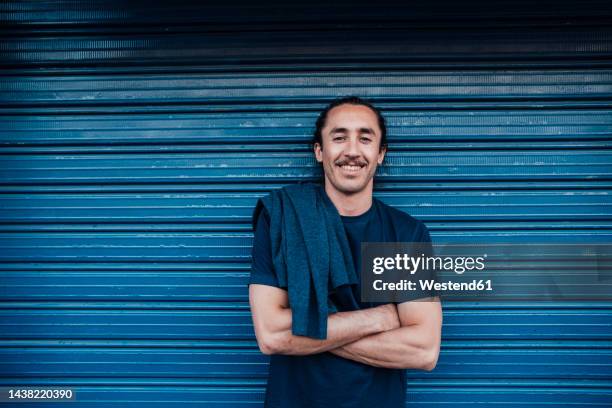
{"type": "Point", "coordinates": [324, 379]}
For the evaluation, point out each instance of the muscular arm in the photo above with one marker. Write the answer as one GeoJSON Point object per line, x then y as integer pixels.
{"type": "Point", "coordinates": [272, 321]}
{"type": "Point", "coordinates": [416, 344]}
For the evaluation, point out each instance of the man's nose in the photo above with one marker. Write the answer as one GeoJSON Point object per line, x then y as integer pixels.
{"type": "Point", "coordinates": [352, 149]}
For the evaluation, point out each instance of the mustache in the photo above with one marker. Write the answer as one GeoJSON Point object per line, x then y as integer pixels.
{"type": "Point", "coordinates": [351, 162]}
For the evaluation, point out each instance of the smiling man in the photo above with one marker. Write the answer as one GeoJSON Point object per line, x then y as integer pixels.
{"type": "Point", "coordinates": [361, 359]}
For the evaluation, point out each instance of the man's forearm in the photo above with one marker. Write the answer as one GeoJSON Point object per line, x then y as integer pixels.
{"type": "Point", "coordinates": [342, 328]}
{"type": "Point", "coordinates": [404, 347]}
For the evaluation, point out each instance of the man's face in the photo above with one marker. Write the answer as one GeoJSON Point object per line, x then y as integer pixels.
{"type": "Point", "coordinates": [350, 153]}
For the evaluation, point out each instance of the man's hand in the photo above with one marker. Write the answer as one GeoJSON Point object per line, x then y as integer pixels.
{"type": "Point", "coordinates": [389, 319]}
{"type": "Point", "coordinates": [272, 319]}
{"type": "Point", "coordinates": [416, 344]}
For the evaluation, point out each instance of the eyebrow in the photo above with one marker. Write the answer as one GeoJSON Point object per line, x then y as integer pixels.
{"type": "Point", "coordinates": [344, 130]}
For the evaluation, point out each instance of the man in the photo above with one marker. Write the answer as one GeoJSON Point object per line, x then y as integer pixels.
{"type": "Point", "coordinates": [362, 360]}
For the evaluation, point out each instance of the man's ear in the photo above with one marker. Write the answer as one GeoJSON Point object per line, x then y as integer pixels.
{"type": "Point", "coordinates": [318, 153]}
{"type": "Point", "coordinates": [381, 154]}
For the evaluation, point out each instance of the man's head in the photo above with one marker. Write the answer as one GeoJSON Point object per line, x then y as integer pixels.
{"type": "Point", "coordinates": [350, 141]}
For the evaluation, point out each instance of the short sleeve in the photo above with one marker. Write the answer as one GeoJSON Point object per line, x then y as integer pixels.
{"type": "Point", "coordinates": [262, 268]}
{"type": "Point", "coordinates": [422, 248]}
{"type": "Point", "coordinates": [425, 239]}
{"type": "Point", "coordinates": [426, 248]}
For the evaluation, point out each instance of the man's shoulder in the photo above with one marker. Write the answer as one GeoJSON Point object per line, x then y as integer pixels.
{"type": "Point", "coordinates": [408, 224]}
{"type": "Point", "coordinates": [398, 214]}
{"type": "Point", "coordinates": [297, 189]}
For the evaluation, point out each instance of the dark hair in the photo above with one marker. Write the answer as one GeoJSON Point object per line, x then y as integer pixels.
{"type": "Point", "coordinates": [351, 100]}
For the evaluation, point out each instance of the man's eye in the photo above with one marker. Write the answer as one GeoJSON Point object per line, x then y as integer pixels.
{"type": "Point", "coordinates": [366, 139]}
{"type": "Point", "coordinates": [339, 138]}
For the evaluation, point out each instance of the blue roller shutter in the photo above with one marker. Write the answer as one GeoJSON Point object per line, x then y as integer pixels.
{"type": "Point", "coordinates": [136, 138]}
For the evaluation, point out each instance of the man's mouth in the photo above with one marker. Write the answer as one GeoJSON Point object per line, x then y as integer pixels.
{"type": "Point", "coordinates": [352, 168]}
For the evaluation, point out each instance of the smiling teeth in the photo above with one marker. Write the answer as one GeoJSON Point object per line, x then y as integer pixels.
{"type": "Point", "coordinates": [351, 168]}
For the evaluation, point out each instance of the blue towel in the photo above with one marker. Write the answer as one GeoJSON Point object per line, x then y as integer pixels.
{"type": "Point", "coordinates": [310, 253]}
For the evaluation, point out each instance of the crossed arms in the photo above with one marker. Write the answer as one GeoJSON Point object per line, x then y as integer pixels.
{"type": "Point", "coordinates": [406, 336]}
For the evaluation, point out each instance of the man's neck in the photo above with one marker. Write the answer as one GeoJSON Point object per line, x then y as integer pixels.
{"type": "Point", "coordinates": [350, 204]}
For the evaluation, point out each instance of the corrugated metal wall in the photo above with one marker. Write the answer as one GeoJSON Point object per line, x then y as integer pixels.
{"type": "Point", "coordinates": [136, 138]}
